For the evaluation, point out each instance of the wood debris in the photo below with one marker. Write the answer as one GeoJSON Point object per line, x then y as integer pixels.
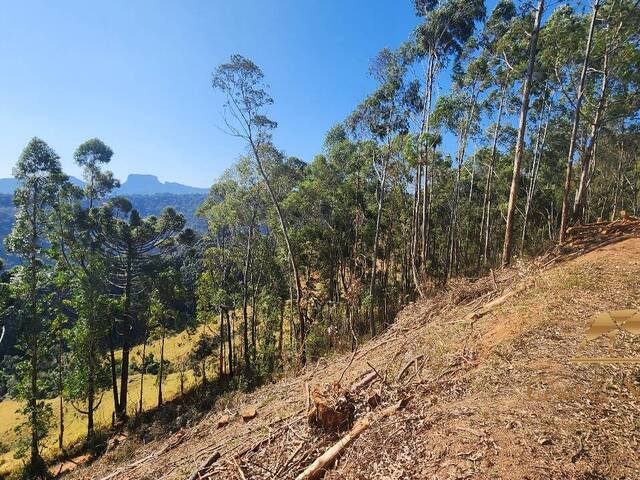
{"type": "Point", "coordinates": [332, 408]}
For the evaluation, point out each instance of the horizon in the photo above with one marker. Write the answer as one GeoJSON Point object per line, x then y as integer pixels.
{"type": "Point", "coordinates": [147, 93]}
{"type": "Point", "coordinates": [126, 178]}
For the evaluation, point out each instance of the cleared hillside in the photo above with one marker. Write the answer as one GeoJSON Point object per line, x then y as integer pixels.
{"type": "Point", "coordinates": [490, 389]}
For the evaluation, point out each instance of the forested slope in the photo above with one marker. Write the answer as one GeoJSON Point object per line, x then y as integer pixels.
{"type": "Point", "coordinates": [488, 133]}
{"type": "Point", "coordinates": [485, 370]}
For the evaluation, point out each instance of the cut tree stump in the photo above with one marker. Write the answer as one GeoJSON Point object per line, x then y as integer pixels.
{"type": "Point", "coordinates": [324, 461]}
{"type": "Point", "coordinates": [332, 408]}
{"type": "Point", "coordinates": [248, 413]}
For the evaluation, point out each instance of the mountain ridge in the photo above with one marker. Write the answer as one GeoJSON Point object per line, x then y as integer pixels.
{"type": "Point", "coordinates": [135, 184]}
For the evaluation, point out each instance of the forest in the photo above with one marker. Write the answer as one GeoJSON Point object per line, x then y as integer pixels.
{"type": "Point", "coordinates": [488, 135]}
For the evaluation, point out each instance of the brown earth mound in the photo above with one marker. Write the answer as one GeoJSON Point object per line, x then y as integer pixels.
{"type": "Point", "coordinates": [478, 384]}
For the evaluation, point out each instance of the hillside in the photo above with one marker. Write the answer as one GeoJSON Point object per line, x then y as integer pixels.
{"type": "Point", "coordinates": [486, 376]}
{"type": "Point", "coordinates": [176, 348]}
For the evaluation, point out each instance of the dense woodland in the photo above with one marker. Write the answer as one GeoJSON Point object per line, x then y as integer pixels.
{"type": "Point", "coordinates": [488, 134]}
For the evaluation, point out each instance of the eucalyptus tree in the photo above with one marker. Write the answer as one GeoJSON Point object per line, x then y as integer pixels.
{"type": "Point", "coordinates": [164, 308]}
{"type": "Point", "coordinates": [522, 127]}
{"type": "Point", "coordinates": [38, 169]}
{"type": "Point", "coordinates": [242, 83]}
{"type": "Point", "coordinates": [235, 206]}
{"type": "Point", "coordinates": [616, 45]}
{"type": "Point", "coordinates": [447, 26]}
{"type": "Point", "coordinates": [577, 103]}
{"type": "Point", "coordinates": [383, 115]}
{"type": "Point", "coordinates": [498, 47]}
{"type": "Point", "coordinates": [132, 246]}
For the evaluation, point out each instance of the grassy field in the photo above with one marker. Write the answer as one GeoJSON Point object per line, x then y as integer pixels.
{"type": "Point", "coordinates": [75, 423]}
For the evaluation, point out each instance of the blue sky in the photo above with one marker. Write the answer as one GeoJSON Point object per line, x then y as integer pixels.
{"type": "Point", "coordinates": [137, 75]}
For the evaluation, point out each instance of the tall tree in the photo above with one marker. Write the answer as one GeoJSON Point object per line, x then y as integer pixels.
{"type": "Point", "coordinates": [38, 169]}
{"type": "Point", "coordinates": [576, 122]}
{"type": "Point", "coordinates": [242, 82]}
{"type": "Point", "coordinates": [522, 127]}
{"type": "Point", "coordinates": [132, 245]}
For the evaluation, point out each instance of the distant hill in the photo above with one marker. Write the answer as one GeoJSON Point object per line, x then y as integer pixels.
{"type": "Point", "coordinates": [8, 185]}
{"type": "Point", "coordinates": [135, 184]}
{"type": "Point", "coordinates": [138, 184]}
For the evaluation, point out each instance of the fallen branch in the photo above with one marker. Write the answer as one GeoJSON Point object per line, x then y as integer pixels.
{"type": "Point", "coordinates": [406, 367]}
{"type": "Point", "coordinates": [211, 459]}
{"type": "Point", "coordinates": [488, 307]}
{"type": "Point", "coordinates": [366, 380]}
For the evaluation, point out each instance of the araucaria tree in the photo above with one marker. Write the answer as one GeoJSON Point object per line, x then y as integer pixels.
{"type": "Point", "coordinates": [132, 245]}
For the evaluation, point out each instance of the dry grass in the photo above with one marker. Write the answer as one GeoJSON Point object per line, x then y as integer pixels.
{"type": "Point", "coordinates": [75, 423]}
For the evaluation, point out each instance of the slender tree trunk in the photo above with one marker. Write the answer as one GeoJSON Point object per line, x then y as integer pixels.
{"type": "Point", "coordinates": [36, 459]}
{"type": "Point", "coordinates": [618, 183]}
{"type": "Point", "coordinates": [581, 193]}
{"type": "Point", "coordinates": [143, 370]}
{"type": "Point", "coordinates": [229, 343]}
{"type": "Point", "coordinates": [486, 204]}
{"type": "Point", "coordinates": [464, 134]}
{"type": "Point", "coordinates": [564, 218]}
{"type": "Point", "coordinates": [161, 370]}
{"type": "Point", "coordinates": [126, 327]}
{"type": "Point", "coordinates": [221, 352]}
{"type": "Point", "coordinates": [425, 186]}
{"type": "Point", "coordinates": [535, 167]}
{"type": "Point", "coordinates": [114, 379]}
{"type": "Point", "coordinates": [302, 356]}
{"type": "Point", "coordinates": [60, 394]}
{"type": "Point", "coordinates": [245, 295]}
{"type": "Point", "coordinates": [374, 255]}
{"type": "Point", "coordinates": [91, 392]}
{"type": "Point", "coordinates": [522, 127]}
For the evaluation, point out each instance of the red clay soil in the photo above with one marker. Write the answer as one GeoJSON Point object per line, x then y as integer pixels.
{"type": "Point", "coordinates": [492, 392]}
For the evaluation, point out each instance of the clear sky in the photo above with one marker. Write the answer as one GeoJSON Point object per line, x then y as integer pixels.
{"type": "Point", "coordinates": [137, 74]}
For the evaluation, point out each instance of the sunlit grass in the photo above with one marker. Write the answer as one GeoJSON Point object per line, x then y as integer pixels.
{"type": "Point", "coordinates": [75, 424]}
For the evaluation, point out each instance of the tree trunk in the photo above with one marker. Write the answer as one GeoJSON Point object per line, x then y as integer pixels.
{"type": "Point", "coordinates": [292, 260]}
{"type": "Point", "coordinates": [376, 238]}
{"type": "Point", "coordinates": [161, 370]}
{"type": "Point", "coordinates": [425, 186]}
{"type": "Point", "coordinates": [60, 394]}
{"type": "Point", "coordinates": [486, 203]}
{"type": "Point", "coordinates": [522, 127]}
{"type": "Point", "coordinates": [574, 129]}
{"type": "Point", "coordinates": [535, 167]}
{"type": "Point", "coordinates": [114, 378]}
{"type": "Point", "coordinates": [126, 333]}
{"type": "Point", "coordinates": [143, 370]}
{"type": "Point", "coordinates": [245, 295]}
{"type": "Point", "coordinates": [229, 343]}
{"type": "Point", "coordinates": [581, 194]}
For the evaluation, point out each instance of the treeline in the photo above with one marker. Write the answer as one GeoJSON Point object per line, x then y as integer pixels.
{"type": "Point", "coordinates": [94, 276]}
{"type": "Point", "coordinates": [537, 129]}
